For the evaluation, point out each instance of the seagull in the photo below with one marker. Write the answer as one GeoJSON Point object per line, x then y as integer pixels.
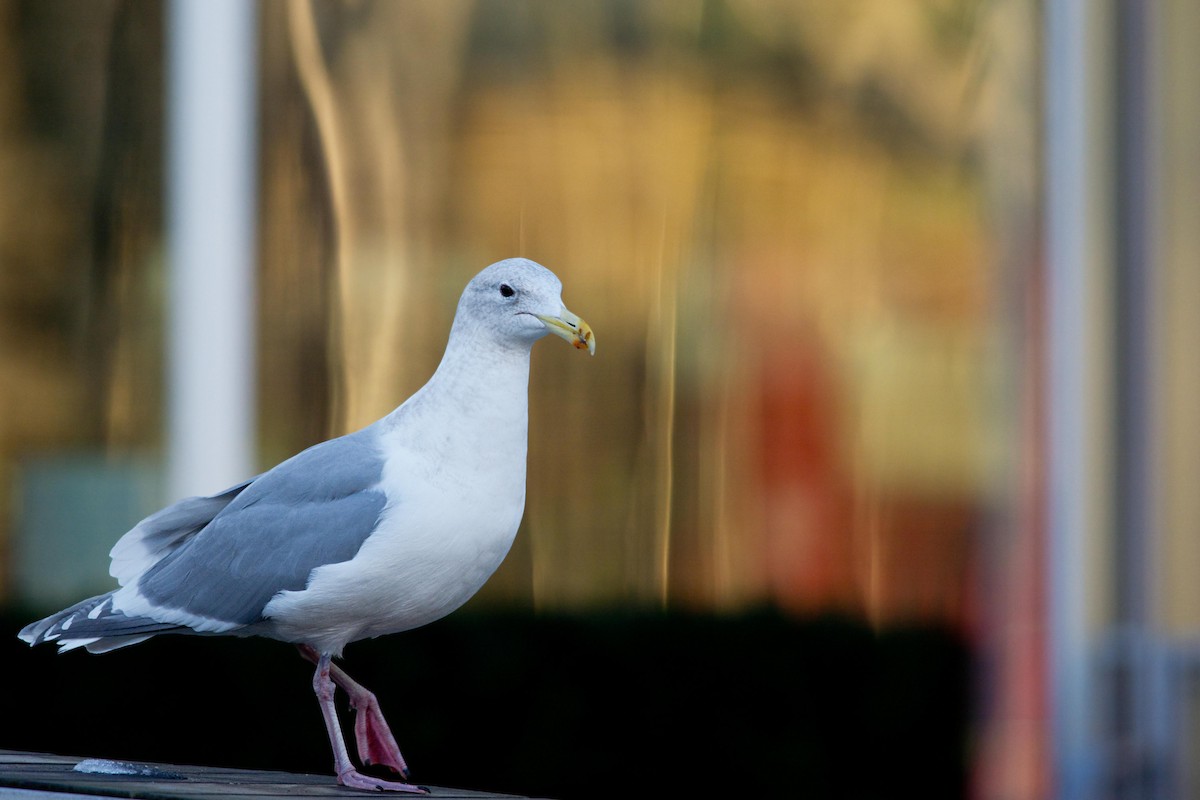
{"type": "Point", "coordinates": [375, 532]}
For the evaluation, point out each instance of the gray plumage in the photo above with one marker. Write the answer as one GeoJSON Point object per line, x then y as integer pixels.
{"type": "Point", "coordinates": [227, 555]}
{"type": "Point", "coordinates": [313, 509]}
{"type": "Point", "coordinates": [372, 533]}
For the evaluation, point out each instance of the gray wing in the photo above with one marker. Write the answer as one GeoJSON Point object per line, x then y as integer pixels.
{"type": "Point", "coordinates": [163, 531]}
{"type": "Point", "coordinates": [316, 508]}
{"type": "Point", "coordinates": [93, 622]}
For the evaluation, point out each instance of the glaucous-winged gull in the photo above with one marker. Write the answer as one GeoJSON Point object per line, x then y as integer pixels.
{"type": "Point", "coordinates": [379, 531]}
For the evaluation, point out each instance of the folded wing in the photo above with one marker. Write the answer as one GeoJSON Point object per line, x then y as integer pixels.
{"type": "Point", "coordinates": [211, 564]}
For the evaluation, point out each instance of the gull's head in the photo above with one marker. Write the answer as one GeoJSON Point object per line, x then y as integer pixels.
{"type": "Point", "coordinates": [520, 301]}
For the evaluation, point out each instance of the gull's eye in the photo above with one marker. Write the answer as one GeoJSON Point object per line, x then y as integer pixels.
{"type": "Point", "coordinates": [506, 290]}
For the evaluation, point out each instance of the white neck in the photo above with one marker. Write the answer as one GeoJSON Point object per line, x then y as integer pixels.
{"type": "Point", "coordinates": [483, 387]}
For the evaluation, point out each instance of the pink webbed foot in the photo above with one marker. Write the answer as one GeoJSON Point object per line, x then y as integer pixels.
{"type": "Point", "coordinates": [354, 779]}
{"type": "Point", "coordinates": [376, 745]}
{"type": "Point", "coordinates": [374, 739]}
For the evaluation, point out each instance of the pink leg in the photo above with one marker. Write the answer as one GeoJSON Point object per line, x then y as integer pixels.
{"type": "Point", "coordinates": [374, 739]}
{"type": "Point", "coordinates": [346, 773]}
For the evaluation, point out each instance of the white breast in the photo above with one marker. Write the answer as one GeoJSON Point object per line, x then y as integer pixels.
{"type": "Point", "coordinates": [454, 506]}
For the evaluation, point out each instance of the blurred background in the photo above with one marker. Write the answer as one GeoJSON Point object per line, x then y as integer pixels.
{"type": "Point", "coordinates": [882, 476]}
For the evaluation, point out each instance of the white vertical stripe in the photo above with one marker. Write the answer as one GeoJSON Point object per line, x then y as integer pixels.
{"type": "Point", "coordinates": [211, 228]}
{"type": "Point", "coordinates": [1078, 271]}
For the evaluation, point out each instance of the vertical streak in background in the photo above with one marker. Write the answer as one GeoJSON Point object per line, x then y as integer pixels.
{"type": "Point", "coordinates": [211, 186]}
{"type": "Point", "coordinates": [1142, 718]}
{"type": "Point", "coordinates": [1075, 269]}
{"type": "Point", "coordinates": [662, 336]}
{"type": "Point", "coordinates": [716, 474]}
{"type": "Point", "coordinates": [318, 88]}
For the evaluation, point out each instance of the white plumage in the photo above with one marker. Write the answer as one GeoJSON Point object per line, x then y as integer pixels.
{"type": "Point", "coordinates": [383, 530]}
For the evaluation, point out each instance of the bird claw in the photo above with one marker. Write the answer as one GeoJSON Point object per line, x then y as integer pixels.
{"type": "Point", "coordinates": [353, 779]}
{"type": "Point", "coordinates": [376, 745]}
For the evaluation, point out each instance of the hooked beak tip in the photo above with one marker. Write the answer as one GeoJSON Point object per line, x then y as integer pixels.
{"type": "Point", "coordinates": [571, 328]}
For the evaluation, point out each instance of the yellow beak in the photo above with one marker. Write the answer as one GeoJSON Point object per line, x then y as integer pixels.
{"type": "Point", "coordinates": [571, 328]}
